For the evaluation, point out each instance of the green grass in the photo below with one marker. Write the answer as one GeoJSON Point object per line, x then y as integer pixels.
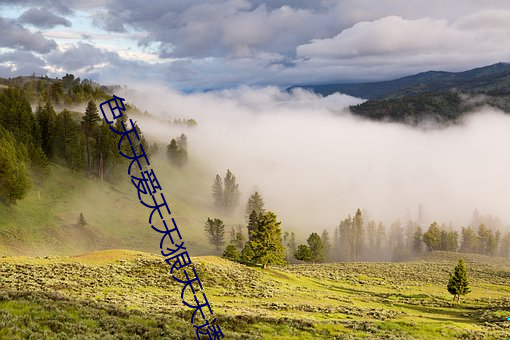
{"type": "Point", "coordinates": [130, 294]}
{"type": "Point", "coordinates": [45, 221]}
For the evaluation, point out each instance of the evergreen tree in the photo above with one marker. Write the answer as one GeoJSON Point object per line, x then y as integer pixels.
{"type": "Point", "coordinates": [255, 203]}
{"type": "Point", "coordinates": [81, 221]}
{"type": "Point", "coordinates": [381, 240]}
{"type": "Point", "coordinates": [505, 245]}
{"type": "Point", "coordinates": [326, 243]}
{"type": "Point", "coordinates": [231, 253]}
{"type": "Point", "coordinates": [303, 253]}
{"type": "Point", "coordinates": [418, 241]}
{"type": "Point", "coordinates": [66, 138]}
{"type": "Point", "coordinates": [487, 240]}
{"type": "Point", "coordinates": [336, 245]}
{"type": "Point", "coordinates": [247, 254]}
{"type": "Point", "coordinates": [458, 283]}
{"type": "Point", "coordinates": [177, 151]}
{"type": "Point", "coordinates": [253, 225]}
{"type": "Point", "coordinates": [16, 114]}
{"type": "Point", "coordinates": [316, 247]}
{"type": "Point", "coordinates": [345, 231]}
{"type": "Point", "coordinates": [182, 143]}
{"type": "Point", "coordinates": [357, 234]}
{"type": "Point", "coordinates": [237, 237]}
{"type": "Point", "coordinates": [371, 238]}
{"type": "Point", "coordinates": [46, 117]}
{"type": "Point", "coordinates": [14, 175]}
{"type": "Point", "coordinates": [432, 237]}
{"type": "Point", "coordinates": [266, 241]}
{"type": "Point", "coordinates": [89, 123]}
{"type": "Point", "coordinates": [493, 242]}
{"type": "Point", "coordinates": [396, 236]}
{"type": "Point", "coordinates": [469, 241]}
{"type": "Point", "coordinates": [451, 242]}
{"type": "Point", "coordinates": [231, 192]}
{"type": "Point", "coordinates": [215, 231]}
{"type": "Point", "coordinates": [289, 239]}
{"type": "Point", "coordinates": [217, 192]}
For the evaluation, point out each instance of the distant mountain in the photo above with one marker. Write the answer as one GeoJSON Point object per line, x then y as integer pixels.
{"type": "Point", "coordinates": [493, 79]}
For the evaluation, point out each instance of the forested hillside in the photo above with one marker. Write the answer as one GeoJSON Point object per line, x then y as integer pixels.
{"type": "Point", "coordinates": [62, 179]}
{"type": "Point", "coordinates": [443, 97]}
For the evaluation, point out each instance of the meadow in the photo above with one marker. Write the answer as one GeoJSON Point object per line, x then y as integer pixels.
{"type": "Point", "coordinates": [131, 295]}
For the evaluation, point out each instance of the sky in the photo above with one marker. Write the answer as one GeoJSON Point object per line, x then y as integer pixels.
{"type": "Point", "coordinates": [194, 45]}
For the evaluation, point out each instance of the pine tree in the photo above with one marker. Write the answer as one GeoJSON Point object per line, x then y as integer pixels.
{"type": "Point", "coordinates": [231, 192]}
{"type": "Point", "coordinates": [215, 231]}
{"type": "Point", "coordinates": [81, 221]}
{"type": "Point", "coordinates": [266, 241]}
{"type": "Point", "coordinates": [381, 246]}
{"type": "Point", "coordinates": [458, 283]}
{"type": "Point", "coordinates": [505, 245]}
{"type": "Point", "coordinates": [357, 234]}
{"type": "Point", "coordinates": [46, 117]}
{"type": "Point", "coordinates": [231, 253]}
{"type": "Point", "coordinates": [66, 138]}
{"type": "Point", "coordinates": [336, 245]}
{"type": "Point", "coordinates": [255, 203]}
{"type": "Point", "coordinates": [470, 243]}
{"type": "Point", "coordinates": [217, 193]}
{"type": "Point", "coordinates": [326, 243]}
{"type": "Point", "coordinates": [418, 241]}
{"type": "Point", "coordinates": [247, 254]}
{"type": "Point", "coordinates": [14, 175]}
{"type": "Point", "coordinates": [316, 247]}
{"type": "Point", "coordinates": [432, 237]}
{"type": "Point", "coordinates": [345, 231]}
{"type": "Point", "coordinates": [289, 239]}
{"type": "Point", "coordinates": [89, 123]}
{"type": "Point", "coordinates": [371, 238]}
{"type": "Point", "coordinates": [237, 237]}
{"type": "Point", "coordinates": [303, 253]}
{"type": "Point", "coordinates": [253, 225]}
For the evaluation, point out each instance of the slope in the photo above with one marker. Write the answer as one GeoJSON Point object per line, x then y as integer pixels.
{"type": "Point", "coordinates": [128, 294]}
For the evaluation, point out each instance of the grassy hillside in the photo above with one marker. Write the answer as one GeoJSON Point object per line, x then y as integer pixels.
{"type": "Point", "coordinates": [113, 294]}
{"type": "Point", "coordinates": [45, 222]}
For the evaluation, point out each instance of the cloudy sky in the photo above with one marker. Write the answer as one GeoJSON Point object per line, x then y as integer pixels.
{"type": "Point", "coordinates": [199, 44]}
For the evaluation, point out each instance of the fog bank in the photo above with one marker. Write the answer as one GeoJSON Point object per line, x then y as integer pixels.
{"type": "Point", "coordinates": [315, 163]}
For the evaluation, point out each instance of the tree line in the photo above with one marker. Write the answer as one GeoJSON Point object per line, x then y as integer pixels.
{"type": "Point", "coordinates": [357, 240]}
{"type": "Point", "coordinates": [30, 140]}
{"type": "Point", "coordinates": [354, 239]}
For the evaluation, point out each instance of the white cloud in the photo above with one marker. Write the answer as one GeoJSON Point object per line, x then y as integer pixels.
{"type": "Point", "coordinates": [426, 40]}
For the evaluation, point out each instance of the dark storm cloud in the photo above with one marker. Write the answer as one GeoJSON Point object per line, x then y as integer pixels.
{"type": "Point", "coordinates": [42, 18]}
{"type": "Point", "coordinates": [16, 36]}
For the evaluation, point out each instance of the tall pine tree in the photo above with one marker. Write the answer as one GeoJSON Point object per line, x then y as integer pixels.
{"type": "Point", "coordinates": [255, 203]}
{"type": "Point", "coordinates": [231, 192]}
{"type": "Point", "coordinates": [217, 193]}
{"type": "Point", "coordinates": [215, 231]}
{"type": "Point", "coordinates": [89, 123]}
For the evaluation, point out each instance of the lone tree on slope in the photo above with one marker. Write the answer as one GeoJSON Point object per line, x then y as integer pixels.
{"type": "Point", "coordinates": [458, 284]}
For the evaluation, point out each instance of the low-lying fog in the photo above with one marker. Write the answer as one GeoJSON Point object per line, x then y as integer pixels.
{"type": "Point", "coordinates": [315, 163]}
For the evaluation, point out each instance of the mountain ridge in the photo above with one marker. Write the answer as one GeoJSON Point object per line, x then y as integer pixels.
{"type": "Point", "coordinates": [486, 79]}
